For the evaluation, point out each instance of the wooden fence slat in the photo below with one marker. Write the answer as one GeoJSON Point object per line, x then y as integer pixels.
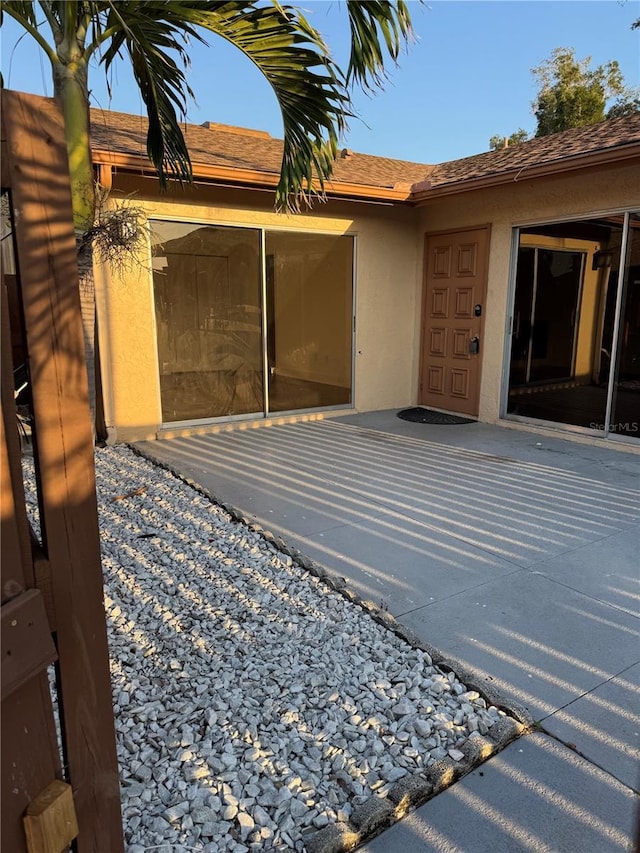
{"type": "Point", "coordinates": [26, 643]}
{"type": "Point", "coordinates": [36, 160]}
{"type": "Point", "coordinates": [30, 757]}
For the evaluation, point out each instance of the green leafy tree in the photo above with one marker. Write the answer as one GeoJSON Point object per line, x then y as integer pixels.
{"type": "Point", "coordinates": [626, 105]}
{"type": "Point", "coordinates": [497, 142]}
{"type": "Point", "coordinates": [312, 90]}
{"type": "Point", "coordinates": [572, 94]}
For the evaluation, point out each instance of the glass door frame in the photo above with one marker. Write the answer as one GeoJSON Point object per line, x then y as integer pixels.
{"type": "Point", "coordinates": [338, 406]}
{"type": "Point", "coordinates": [617, 326]}
{"type": "Point", "coordinates": [265, 414]}
{"type": "Point", "coordinates": [607, 434]}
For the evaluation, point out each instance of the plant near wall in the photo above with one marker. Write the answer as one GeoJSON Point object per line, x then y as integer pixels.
{"type": "Point", "coordinates": [312, 90]}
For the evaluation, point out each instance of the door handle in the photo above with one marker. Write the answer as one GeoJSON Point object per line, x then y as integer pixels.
{"type": "Point", "coordinates": [474, 345]}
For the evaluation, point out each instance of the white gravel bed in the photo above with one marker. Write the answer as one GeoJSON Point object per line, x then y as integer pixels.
{"type": "Point", "coordinates": [253, 705]}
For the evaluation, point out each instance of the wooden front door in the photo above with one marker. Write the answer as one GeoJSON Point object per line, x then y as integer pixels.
{"type": "Point", "coordinates": [455, 265]}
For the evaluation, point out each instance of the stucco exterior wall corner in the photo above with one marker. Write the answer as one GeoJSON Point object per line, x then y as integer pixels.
{"type": "Point", "coordinates": [495, 323]}
{"type": "Point", "coordinates": [128, 359]}
{"type": "Point", "coordinates": [387, 314]}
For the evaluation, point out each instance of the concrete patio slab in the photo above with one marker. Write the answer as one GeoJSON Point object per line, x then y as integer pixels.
{"type": "Point", "coordinates": [607, 570]}
{"type": "Point", "coordinates": [515, 510]}
{"type": "Point", "coordinates": [471, 497]}
{"type": "Point", "coordinates": [399, 566]}
{"type": "Point", "coordinates": [250, 484]}
{"type": "Point", "coordinates": [542, 644]}
{"type": "Point", "coordinates": [605, 726]}
{"type": "Point", "coordinates": [513, 552]}
{"type": "Point", "coordinates": [536, 795]}
{"type": "Point", "coordinates": [515, 443]}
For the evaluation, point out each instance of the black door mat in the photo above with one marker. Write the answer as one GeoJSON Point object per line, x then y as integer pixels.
{"type": "Point", "coordinates": [419, 415]}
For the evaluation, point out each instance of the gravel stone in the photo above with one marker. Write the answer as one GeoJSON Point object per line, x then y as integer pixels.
{"type": "Point", "coordinates": [143, 773]}
{"type": "Point", "coordinates": [256, 708]}
{"type": "Point", "coordinates": [246, 824]}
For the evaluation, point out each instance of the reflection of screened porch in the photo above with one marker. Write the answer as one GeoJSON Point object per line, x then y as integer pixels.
{"type": "Point", "coordinates": [575, 342]}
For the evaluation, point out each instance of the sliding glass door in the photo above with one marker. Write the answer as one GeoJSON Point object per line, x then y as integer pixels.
{"type": "Point", "coordinates": [574, 316]}
{"type": "Point", "coordinates": [309, 313]}
{"type": "Point", "coordinates": [546, 313]}
{"type": "Point", "coordinates": [243, 330]}
{"type": "Point", "coordinates": [624, 418]}
{"type": "Point", "coordinates": [207, 297]}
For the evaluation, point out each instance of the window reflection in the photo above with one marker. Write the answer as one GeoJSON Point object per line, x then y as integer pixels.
{"type": "Point", "coordinates": [207, 298]}
{"type": "Point", "coordinates": [309, 311]}
{"type": "Point", "coordinates": [563, 321]}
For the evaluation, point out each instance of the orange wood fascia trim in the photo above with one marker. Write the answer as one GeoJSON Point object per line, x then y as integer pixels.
{"type": "Point", "coordinates": [613, 157]}
{"type": "Point", "coordinates": [251, 177]}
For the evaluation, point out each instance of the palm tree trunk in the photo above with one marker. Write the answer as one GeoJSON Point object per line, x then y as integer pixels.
{"type": "Point", "coordinates": [71, 92]}
{"type": "Point", "coordinates": [87, 288]}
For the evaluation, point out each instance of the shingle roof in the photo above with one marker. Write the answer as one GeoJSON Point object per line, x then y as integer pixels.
{"type": "Point", "coordinates": [234, 147]}
{"type": "Point", "coordinates": [231, 148]}
{"type": "Point", "coordinates": [538, 152]}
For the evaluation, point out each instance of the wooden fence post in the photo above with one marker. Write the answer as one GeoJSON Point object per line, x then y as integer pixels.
{"type": "Point", "coordinates": [36, 163]}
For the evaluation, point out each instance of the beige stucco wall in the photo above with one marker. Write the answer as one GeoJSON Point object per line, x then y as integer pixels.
{"type": "Point", "coordinates": [524, 202]}
{"type": "Point", "coordinates": [388, 281]}
{"type": "Point", "coordinates": [387, 295]}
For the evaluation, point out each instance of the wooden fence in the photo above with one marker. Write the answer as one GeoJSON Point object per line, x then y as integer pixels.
{"type": "Point", "coordinates": [52, 606]}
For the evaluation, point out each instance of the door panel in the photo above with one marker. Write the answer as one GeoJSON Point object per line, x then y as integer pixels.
{"type": "Point", "coordinates": [454, 293]}
{"type": "Point", "coordinates": [309, 320]}
{"type": "Point", "coordinates": [207, 293]}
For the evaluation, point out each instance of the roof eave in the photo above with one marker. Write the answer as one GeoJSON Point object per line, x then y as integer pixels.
{"type": "Point", "coordinates": [614, 156]}
{"type": "Point", "coordinates": [253, 178]}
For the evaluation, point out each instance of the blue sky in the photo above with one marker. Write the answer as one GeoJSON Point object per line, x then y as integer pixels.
{"type": "Point", "coordinates": [467, 77]}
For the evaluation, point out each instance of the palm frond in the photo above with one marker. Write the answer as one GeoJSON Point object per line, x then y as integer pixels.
{"type": "Point", "coordinates": [375, 23]}
{"type": "Point", "coordinates": [153, 41]}
{"type": "Point", "coordinates": [309, 86]}
{"type": "Point", "coordinates": [311, 89]}
{"type": "Point", "coordinates": [26, 11]}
